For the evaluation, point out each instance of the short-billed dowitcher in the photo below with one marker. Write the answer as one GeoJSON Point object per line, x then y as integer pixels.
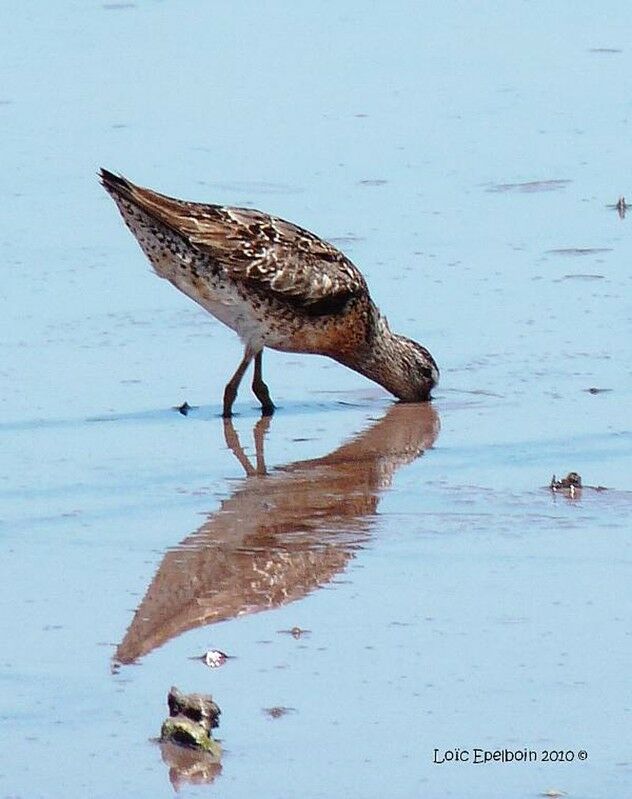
{"type": "Point", "coordinates": [276, 285]}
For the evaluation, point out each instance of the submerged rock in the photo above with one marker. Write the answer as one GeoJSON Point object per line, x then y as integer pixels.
{"type": "Point", "coordinates": [191, 719]}
{"type": "Point", "coordinates": [186, 743]}
{"type": "Point", "coordinates": [182, 730]}
{"type": "Point", "coordinates": [187, 765]}
{"type": "Point", "coordinates": [199, 708]}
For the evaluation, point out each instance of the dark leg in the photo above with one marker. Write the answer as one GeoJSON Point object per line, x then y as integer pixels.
{"type": "Point", "coordinates": [230, 392]}
{"type": "Point", "coordinates": [232, 442]}
{"type": "Point", "coordinates": [260, 430]}
{"type": "Point", "coordinates": [259, 387]}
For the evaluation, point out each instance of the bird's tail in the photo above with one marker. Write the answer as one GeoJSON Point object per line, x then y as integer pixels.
{"type": "Point", "coordinates": [167, 210]}
{"type": "Point", "coordinates": [115, 184]}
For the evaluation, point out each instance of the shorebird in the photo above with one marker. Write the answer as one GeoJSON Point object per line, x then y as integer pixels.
{"type": "Point", "coordinates": [276, 285]}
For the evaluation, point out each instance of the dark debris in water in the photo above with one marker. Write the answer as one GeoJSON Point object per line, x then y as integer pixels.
{"type": "Point", "coordinates": [213, 658]}
{"type": "Point", "coordinates": [184, 408]}
{"type": "Point", "coordinates": [295, 632]}
{"type": "Point", "coordinates": [572, 480]}
{"type": "Point", "coordinates": [571, 485]}
{"type": "Point", "coordinates": [620, 207]}
{"type": "Point", "coordinates": [278, 711]}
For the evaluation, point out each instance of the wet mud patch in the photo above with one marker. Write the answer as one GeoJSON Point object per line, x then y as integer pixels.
{"type": "Point", "coordinates": [529, 187]}
{"type": "Point", "coordinates": [578, 251]}
{"type": "Point", "coordinates": [581, 276]}
{"type": "Point", "coordinates": [345, 242]}
{"type": "Point", "coordinates": [253, 187]}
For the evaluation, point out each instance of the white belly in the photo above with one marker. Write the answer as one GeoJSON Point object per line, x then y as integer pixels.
{"type": "Point", "coordinates": [224, 303]}
{"type": "Point", "coordinates": [182, 266]}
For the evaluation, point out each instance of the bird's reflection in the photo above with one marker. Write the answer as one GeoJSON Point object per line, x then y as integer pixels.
{"type": "Point", "coordinates": [281, 534]}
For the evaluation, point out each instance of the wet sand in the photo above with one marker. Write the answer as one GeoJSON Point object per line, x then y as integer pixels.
{"type": "Point", "coordinates": [452, 600]}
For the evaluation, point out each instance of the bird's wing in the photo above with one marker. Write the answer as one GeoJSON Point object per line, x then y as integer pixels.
{"type": "Point", "coordinates": [253, 247]}
{"type": "Point", "coordinates": [276, 255]}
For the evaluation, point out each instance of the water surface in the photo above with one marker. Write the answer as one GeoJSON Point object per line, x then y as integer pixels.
{"type": "Point", "coordinates": [464, 158]}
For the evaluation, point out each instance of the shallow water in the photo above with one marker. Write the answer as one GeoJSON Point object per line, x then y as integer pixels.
{"type": "Point", "coordinates": [464, 160]}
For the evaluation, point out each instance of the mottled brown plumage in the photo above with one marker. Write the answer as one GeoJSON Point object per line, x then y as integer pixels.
{"type": "Point", "coordinates": [274, 283]}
